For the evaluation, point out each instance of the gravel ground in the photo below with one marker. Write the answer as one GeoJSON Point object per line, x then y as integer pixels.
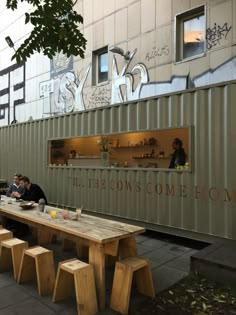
{"type": "Point", "coordinates": [193, 295]}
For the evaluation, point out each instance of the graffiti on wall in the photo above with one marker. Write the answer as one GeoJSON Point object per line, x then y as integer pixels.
{"type": "Point", "coordinates": [216, 34]}
{"type": "Point", "coordinates": [12, 91]}
{"type": "Point", "coordinates": [124, 89]}
{"type": "Point", "coordinates": [126, 80]}
{"type": "Point", "coordinates": [97, 97]}
{"type": "Point", "coordinates": [224, 72]}
{"type": "Point", "coordinates": [66, 91]}
{"type": "Point", "coordinates": [60, 64]}
{"type": "Point", "coordinates": [157, 52]}
{"type": "Point", "coordinates": [63, 94]}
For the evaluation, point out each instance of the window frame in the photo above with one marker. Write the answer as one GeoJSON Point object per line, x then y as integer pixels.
{"type": "Point", "coordinates": [120, 148]}
{"type": "Point", "coordinates": [95, 66]}
{"type": "Point", "coordinates": [180, 18]}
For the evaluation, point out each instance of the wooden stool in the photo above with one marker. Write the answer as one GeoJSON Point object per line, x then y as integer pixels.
{"type": "Point", "coordinates": [75, 273]}
{"type": "Point", "coordinates": [5, 234]}
{"type": "Point", "coordinates": [122, 282]}
{"type": "Point", "coordinates": [38, 261]}
{"type": "Point", "coordinates": [11, 255]}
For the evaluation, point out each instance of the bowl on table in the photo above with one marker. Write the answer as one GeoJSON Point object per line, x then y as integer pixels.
{"type": "Point", "coordinates": [26, 205]}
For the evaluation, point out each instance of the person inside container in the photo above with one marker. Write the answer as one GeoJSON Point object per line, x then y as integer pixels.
{"type": "Point", "coordinates": [72, 154]}
{"type": "Point", "coordinates": [32, 192]}
{"type": "Point", "coordinates": [179, 155]}
{"type": "Point", "coordinates": [15, 186]}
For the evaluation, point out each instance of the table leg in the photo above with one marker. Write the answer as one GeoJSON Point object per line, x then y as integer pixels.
{"type": "Point", "coordinates": [97, 260]}
{"type": "Point", "coordinates": [45, 236]}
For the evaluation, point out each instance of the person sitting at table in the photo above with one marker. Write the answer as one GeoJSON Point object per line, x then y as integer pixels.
{"type": "Point", "coordinates": [15, 186]}
{"type": "Point", "coordinates": [32, 192]}
{"type": "Point", "coordinates": [18, 228]}
{"type": "Point", "coordinates": [179, 155]}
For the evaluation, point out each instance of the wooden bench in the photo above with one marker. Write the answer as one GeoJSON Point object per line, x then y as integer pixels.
{"type": "Point", "coordinates": [76, 274]}
{"type": "Point", "coordinates": [122, 282]}
{"type": "Point", "coordinates": [11, 255]}
{"type": "Point", "coordinates": [38, 261]}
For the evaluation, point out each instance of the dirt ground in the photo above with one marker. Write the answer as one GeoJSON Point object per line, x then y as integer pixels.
{"type": "Point", "coordinates": [193, 295]}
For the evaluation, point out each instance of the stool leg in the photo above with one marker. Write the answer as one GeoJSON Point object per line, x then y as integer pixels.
{"type": "Point", "coordinates": [45, 273]}
{"type": "Point", "coordinates": [121, 288]}
{"type": "Point", "coordinates": [144, 281]}
{"type": "Point", "coordinates": [5, 259]}
{"type": "Point", "coordinates": [64, 285]}
{"type": "Point", "coordinates": [85, 291]}
{"type": "Point", "coordinates": [27, 269]}
{"type": "Point", "coordinates": [17, 253]}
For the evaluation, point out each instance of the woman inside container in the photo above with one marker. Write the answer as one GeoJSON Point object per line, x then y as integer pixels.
{"type": "Point", "coordinates": [179, 155]}
{"type": "Point", "coordinates": [72, 154]}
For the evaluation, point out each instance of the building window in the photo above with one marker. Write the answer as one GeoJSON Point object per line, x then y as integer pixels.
{"type": "Point", "coordinates": [190, 34]}
{"type": "Point", "coordinates": [159, 149]}
{"type": "Point", "coordinates": [100, 66]}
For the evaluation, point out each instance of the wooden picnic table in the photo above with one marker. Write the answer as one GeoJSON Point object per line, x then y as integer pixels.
{"type": "Point", "coordinates": [103, 236]}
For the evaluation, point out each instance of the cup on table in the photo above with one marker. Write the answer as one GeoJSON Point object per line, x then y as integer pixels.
{"type": "Point", "coordinates": [79, 212]}
{"type": "Point", "coordinates": [53, 214]}
{"type": "Point", "coordinates": [65, 214]}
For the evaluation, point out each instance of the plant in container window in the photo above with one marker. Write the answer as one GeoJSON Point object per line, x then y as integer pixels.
{"type": "Point", "coordinates": [105, 143]}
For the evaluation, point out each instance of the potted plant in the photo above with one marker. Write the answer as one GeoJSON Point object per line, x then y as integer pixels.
{"type": "Point", "coordinates": [105, 143]}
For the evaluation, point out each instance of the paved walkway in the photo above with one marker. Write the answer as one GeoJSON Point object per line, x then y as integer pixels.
{"type": "Point", "coordinates": [170, 262]}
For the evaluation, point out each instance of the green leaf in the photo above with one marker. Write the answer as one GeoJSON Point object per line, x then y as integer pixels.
{"type": "Point", "coordinates": [55, 28]}
{"type": "Point", "coordinates": [190, 291]}
{"type": "Point", "coordinates": [204, 306]}
{"type": "Point", "coordinates": [204, 298]}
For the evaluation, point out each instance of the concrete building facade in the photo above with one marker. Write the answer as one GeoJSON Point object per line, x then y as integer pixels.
{"type": "Point", "coordinates": [169, 46]}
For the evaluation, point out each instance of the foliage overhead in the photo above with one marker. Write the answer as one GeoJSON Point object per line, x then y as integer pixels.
{"type": "Point", "coordinates": [55, 29]}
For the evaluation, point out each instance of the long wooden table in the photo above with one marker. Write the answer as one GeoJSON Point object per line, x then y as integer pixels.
{"type": "Point", "coordinates": [104, 237]}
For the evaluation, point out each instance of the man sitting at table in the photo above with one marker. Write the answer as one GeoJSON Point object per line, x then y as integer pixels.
{"type": "Point", "coordinates": [32, 192]}
{"type": "Point", "coordinates": [15, 186]}
{"type": "Point", "coordinates": [11, 224]}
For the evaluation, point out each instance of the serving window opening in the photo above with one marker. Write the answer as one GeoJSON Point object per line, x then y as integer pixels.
{"type": "Point", "coordinates": [148, 149]}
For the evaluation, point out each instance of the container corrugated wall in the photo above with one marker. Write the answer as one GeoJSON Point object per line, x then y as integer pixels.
{"type": "Point", "coordinates": [201, 201]}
